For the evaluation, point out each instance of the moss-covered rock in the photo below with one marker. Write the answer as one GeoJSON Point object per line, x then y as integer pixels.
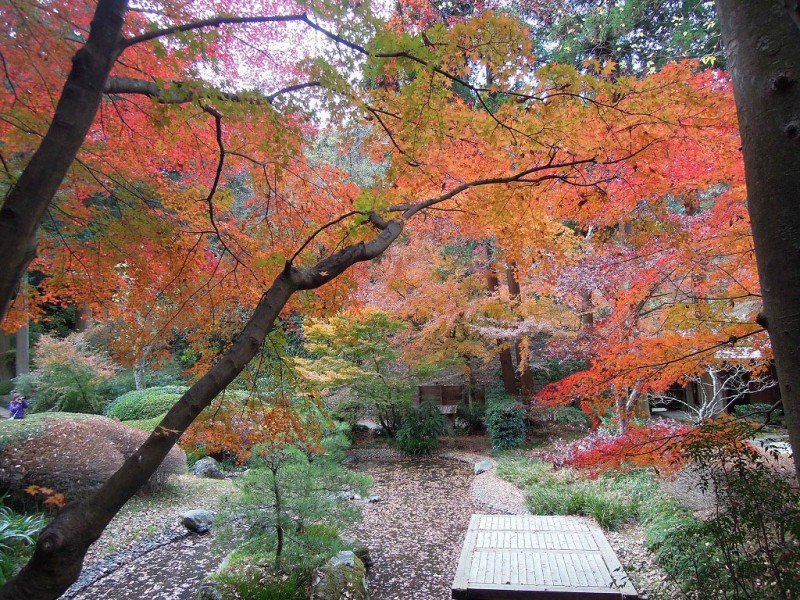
{"type": "Point", "coordinates": [343, 576]}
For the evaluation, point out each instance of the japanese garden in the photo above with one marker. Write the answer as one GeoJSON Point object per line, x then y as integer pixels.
{"type": "Point", "coordinates": [409, 299]}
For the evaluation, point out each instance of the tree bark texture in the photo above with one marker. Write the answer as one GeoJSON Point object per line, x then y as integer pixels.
{"type": "Point", "coordinates": [29, 199]}
{"type": "Point", "coordinates": [506, 362]}
{"type": "Point", "coordinates": [62, 545]}
{"type": "Point", "coordinates": [763, 47]}
{"type": "Point", "coordinates": [523, 366]}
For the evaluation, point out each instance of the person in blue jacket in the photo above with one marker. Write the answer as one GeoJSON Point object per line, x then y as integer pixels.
{"type": "Point", "coordinates": [17, 406]}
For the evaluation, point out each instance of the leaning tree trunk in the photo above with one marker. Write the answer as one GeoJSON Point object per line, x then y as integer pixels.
{"type": "Point", "coordinates": [763, 48]}
{"type": "Point", "coordinates": [30, 197]}
{"type": "Point", "coordinates": [62, 545]}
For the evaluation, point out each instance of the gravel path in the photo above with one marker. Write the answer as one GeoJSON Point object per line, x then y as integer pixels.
{"type": "Point", "coordinates": [146, 553]}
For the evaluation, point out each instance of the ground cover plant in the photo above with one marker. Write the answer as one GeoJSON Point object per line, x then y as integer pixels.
{"type": "Point", "coordinates": [612, 499]}
{"type": "Point", "coordinates": [18, 534]}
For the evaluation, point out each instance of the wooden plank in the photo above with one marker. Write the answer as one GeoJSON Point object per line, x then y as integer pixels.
{"type": "Point", "coordinates": [536, 557]}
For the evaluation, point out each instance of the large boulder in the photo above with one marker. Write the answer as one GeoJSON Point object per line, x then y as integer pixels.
{"type": "Point", "coordinates": [197, 520]}
{"type": "Point", "coordinates": [209, 468]}
{"type": "Point", "coordinates": [343, 576]}
{"type": "Point", "coordinates": [72, 454]}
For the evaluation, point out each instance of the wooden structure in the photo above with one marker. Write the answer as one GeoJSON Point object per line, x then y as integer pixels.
{"type": "Point", "coordinates": [448, 397]}
{"type": "Point", "coordinates": [543, 558]}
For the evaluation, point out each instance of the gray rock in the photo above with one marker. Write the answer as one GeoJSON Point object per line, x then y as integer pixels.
{"type": "Point", "coordinates": [209, 468]}
{"type": "Point", "coordinates": [360, 549]}
{"type": "Point", "coordinates": [373, 499]}
{"type": "Point", "coordinates": [208, 590]}
{"type": "Point", "coordinates": [483, 465]}
{"type": "Point", "coordinates": [343, 576]}
{"type": "Point", "coordinates": [198, 520]}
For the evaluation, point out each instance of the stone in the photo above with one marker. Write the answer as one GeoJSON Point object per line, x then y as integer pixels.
{"type": "Point", "coordinates": [209, 468]}
{"type": "Point", "coordinates": [482, 466]}
{"type": "Point", "coordinates": [343, 576]}
{"type": "Point", "coordinates": [373, 499]}
{"type": "Point", "coordinates": [198, 520]}
{"type": "Point", "coordinates": [360, 549]}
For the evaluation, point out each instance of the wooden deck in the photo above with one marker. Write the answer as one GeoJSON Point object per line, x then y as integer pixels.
{"type": "Point", "coordinates": [542, 558]}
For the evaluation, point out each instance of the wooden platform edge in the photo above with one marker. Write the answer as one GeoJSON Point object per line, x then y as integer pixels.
{"type": "Point", "coordinates": [461, 580]}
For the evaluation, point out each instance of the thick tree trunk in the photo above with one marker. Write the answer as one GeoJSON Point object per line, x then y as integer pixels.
{"type": "Point", "coordinates": [763, 48]}
{"type": "Point", "coordinates": [28, 200]}
{"type": "Point", "coordinates": [62, 545]}
{"type": "Point", "coordinates": [506, 362]}
{"type": "Point", "coordinates": [523, 363]}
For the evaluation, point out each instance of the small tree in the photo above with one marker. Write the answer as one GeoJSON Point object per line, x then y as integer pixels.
{"type": "Point", "coordinates": [292, 499]}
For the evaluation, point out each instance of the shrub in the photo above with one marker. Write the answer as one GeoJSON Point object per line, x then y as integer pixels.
{"type": "Point", "coordinates": [74, 457]}
{"type": "Point", "coordinates": [421, 428]}
{"type": "Point", "coordinates": [748, 549]}
{"type": "Point", "coordinates": [70, 376]}
{"type": "Point", "coordinates": [471, 417]}
{"type": "Point", "coordinates": [569, 415]}
{"type": "Point", "coordinates": [17, 538]}
{"type": "Point", "coordinates": [144, 404]}
{"type": "Point", "coordinates": [349, 411]}
{"type": "Point", "coordinates": [506, 424]}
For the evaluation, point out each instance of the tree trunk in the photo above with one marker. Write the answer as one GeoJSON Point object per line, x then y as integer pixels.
{"type": "Point", "coordinates": [506, 362]}
{"type": "Point", "coordinates": [23, 358]}
{"type": "Point", "coordinates": [763, 48]}
{"type": "Point", "coordinates": [62, 545]}
{"type": "Point", "coordinates": [139, 378]}
{"type": "Point", "coordinates": [28, 200]}
{"type": "Point", "coordinates": [5, 372]}
{"type": "Point", "coordinates": [523, 363]}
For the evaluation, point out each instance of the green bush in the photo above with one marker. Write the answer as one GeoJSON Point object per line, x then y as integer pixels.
{"type": "Point", "coordinates": [471, 417]}
{"type": "Point", "coordinates": [420, 430]}
{"type": "Point", "coordinates": [569, 415]}
{"type": "Point", "coordinates": [506, 424]}
{"type": "Point", "coordinates": [17, 538]}
{"type": "Point", "coordinates": [144, 404]}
